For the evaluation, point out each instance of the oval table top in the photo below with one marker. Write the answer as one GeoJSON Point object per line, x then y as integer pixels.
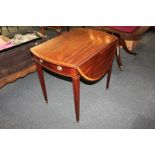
{"type": "Point", "coordinates": [89, 51]}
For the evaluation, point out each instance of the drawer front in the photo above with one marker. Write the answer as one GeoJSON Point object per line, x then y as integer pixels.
{"type": "Point", "coordinates": [66, 71]}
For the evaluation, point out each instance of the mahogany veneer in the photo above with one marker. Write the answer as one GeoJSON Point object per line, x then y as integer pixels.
{"type": "Point", "coordinates": [79, 53]}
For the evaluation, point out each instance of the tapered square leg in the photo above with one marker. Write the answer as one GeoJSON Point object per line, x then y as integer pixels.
{"type": "Point", "coordinates": [76, 90]}
{"type": "Point", "coordinates": [108, 77]}
{"type": "Point", "coordinates": [42, 81]}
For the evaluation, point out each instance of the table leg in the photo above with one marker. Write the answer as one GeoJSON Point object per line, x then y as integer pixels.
{"type": "Point", "coordinates": [42, 31]}
{"type": "Point", "coordinates": [118, 58]}
{"type": "Point", "coordinates": [18, 28]}
{"type": "Point", "coordinates": [42, 82]}
{"type": "Point", "coordinates": [68, 28]}
{"type": "Point", "coordinates": [7, 27]}
{"type": "Point", "coordinates": [76, 90]}
{"type": "Point", "coordinates": [122, 42]}
{"type": "Point", "coordinates": [108, 77]}
{"type": "Point", "coordinates": [58, 30]}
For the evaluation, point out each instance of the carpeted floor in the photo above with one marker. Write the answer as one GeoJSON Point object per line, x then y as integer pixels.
{"type": "Point", "coordinates": [129, 103]}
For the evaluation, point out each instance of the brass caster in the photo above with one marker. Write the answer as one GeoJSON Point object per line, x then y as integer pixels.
{"type": "Point", "coordinates": [121, 68]}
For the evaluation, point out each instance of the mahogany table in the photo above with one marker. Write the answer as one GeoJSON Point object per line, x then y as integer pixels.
{"type": "Point", "coordinates": [79, 53]}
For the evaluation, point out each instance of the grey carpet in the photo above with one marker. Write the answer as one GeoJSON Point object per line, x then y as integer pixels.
{"type": "Point", "coordinates": [129, 103]}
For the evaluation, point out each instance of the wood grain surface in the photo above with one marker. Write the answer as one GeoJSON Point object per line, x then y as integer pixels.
{"type": "Point", "coordinates": [86, 50]}
{"type": "Point", "coordinates": [73, 48]}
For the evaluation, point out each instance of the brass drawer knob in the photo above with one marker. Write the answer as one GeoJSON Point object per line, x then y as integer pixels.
{"type": "Point", "coordinates": [41, 61]}
{"type": "Point", "coordinates": [59, 68]}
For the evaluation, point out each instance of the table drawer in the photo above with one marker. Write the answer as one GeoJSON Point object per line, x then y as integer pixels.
{"type": "Point", "coordinates": [66, 71]}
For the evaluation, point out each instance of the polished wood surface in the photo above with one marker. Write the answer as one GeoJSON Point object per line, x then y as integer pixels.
{"type": "Point", "coordinates": [42, 81]}
{"type": "Point", "coordinates": [76, 90]}
{"type": "Point", "coordinates": [83, 53]}
{"type": "Point", "coordinates": [77, 49]}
